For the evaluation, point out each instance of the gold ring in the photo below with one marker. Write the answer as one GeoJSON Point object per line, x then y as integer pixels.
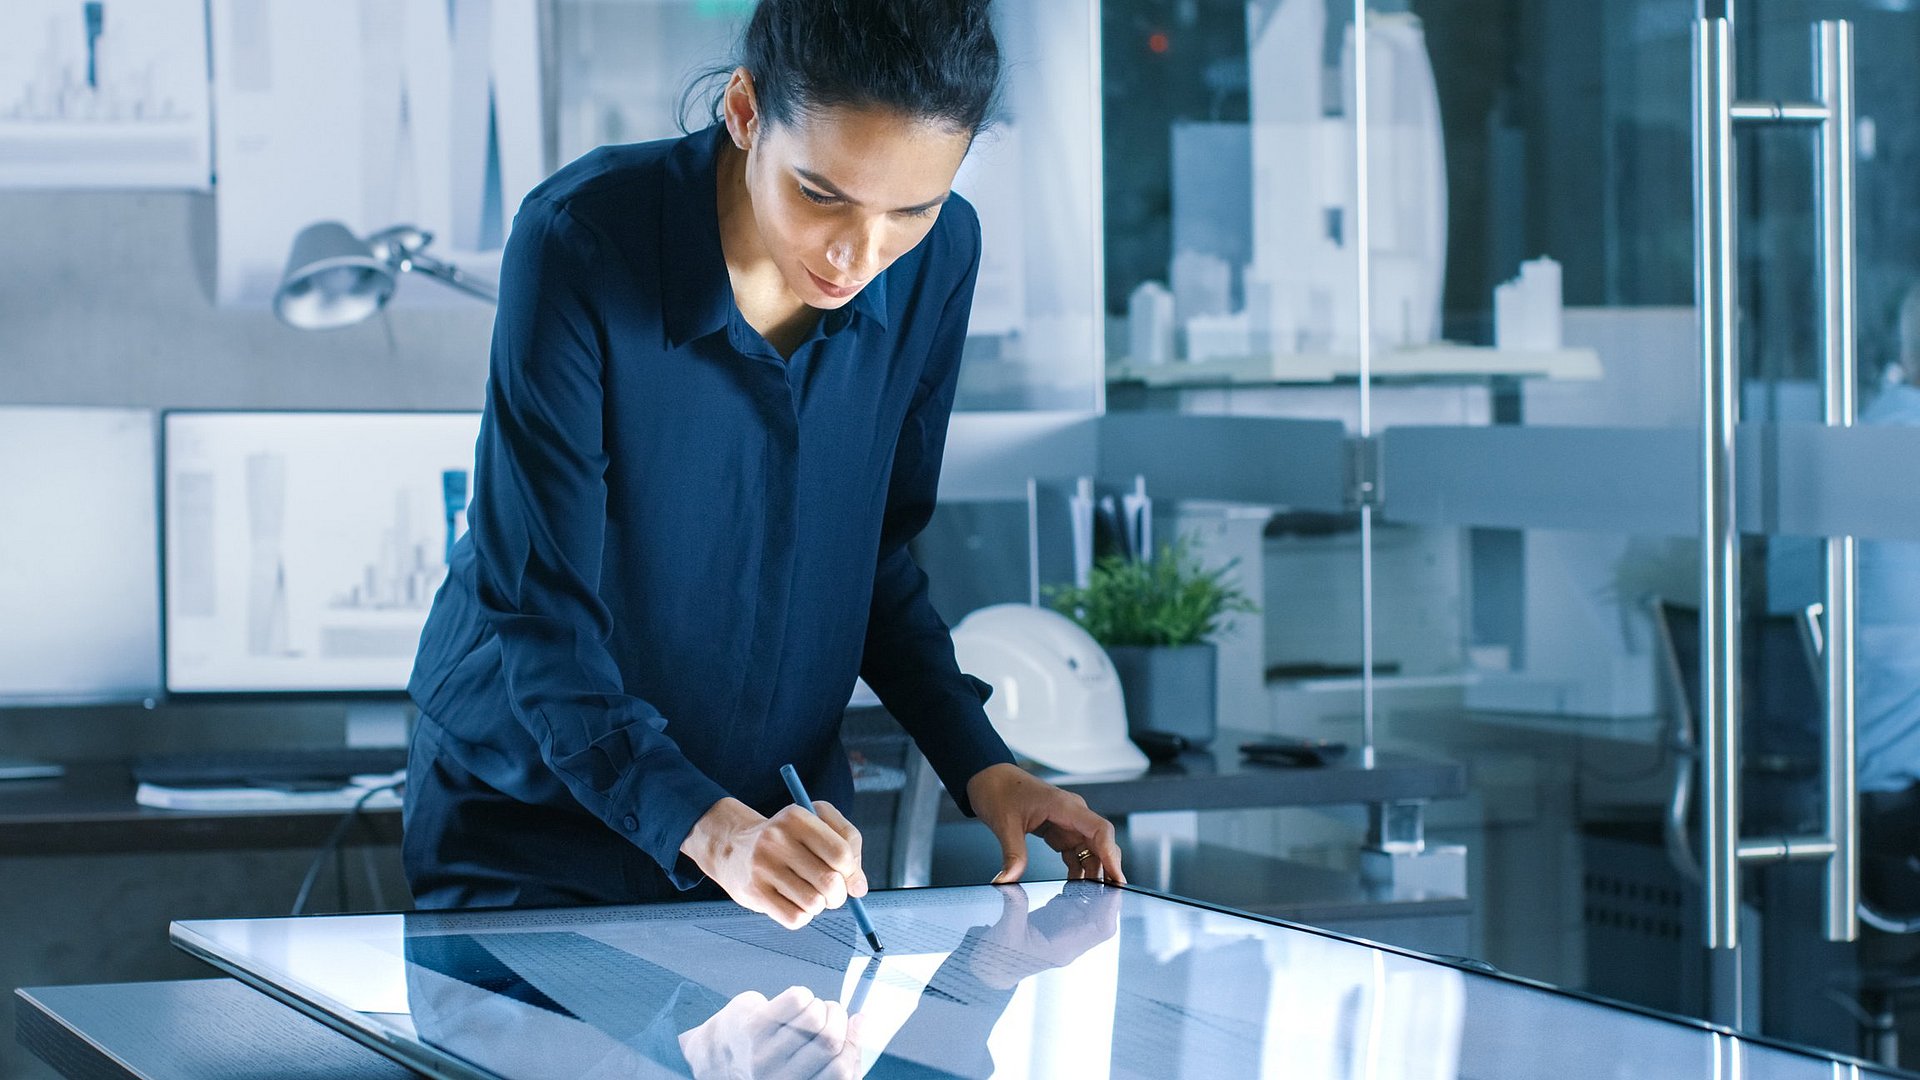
{"type": "Point", "coordinates": [1083, 855]}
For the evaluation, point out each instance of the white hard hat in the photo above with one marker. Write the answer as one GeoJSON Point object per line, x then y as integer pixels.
{"type": "Point", "coordinates": [1056, 697]}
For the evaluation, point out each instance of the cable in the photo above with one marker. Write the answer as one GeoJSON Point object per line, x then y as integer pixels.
{"type": "Point", "coordinates": [333, 843]}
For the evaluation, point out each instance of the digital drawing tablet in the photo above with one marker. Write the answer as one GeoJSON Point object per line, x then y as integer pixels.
{"type": "Point", "coordinates": [1051, 979]}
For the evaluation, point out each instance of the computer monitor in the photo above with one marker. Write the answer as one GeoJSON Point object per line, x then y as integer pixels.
{"type": "Point", "coordinates": [79, 581]}
{"type": "Point", "coordinates": [302, 550]}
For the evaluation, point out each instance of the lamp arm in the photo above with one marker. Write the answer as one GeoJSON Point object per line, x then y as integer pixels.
{"type": "Point", "coordinates": [448, 274]}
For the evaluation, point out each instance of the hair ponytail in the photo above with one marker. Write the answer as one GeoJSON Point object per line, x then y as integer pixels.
{"type": "Point", "coordinates": [935, 60]}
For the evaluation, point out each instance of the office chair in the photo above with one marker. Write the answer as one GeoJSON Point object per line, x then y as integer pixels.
{"type": "Point", "coordinates": [1782, 792]}
{"type": "Point", "coordinates": [1780, 717]}
{"type": "Point", "coordinates": [1781, 692]}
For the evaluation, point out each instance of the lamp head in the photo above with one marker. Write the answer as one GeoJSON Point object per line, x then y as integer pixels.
{"type": "Point", "coordinates": [333, 279]}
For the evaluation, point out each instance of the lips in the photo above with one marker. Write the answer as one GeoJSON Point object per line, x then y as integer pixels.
{"type": "Point", "coordinates": [838, 292]}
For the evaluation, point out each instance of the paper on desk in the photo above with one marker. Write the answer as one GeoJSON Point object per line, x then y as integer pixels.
{"type": "Point", "coordinates": [263, 799]}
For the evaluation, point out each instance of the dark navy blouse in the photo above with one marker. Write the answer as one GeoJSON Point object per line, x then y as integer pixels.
{"type": "Point", "coordinates": [683, 548]}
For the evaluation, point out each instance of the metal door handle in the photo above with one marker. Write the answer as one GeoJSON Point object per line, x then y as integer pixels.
{"type": "Point", "coordinates": [1716, 289]}
{"type": "Point", "coordinates": [1833, 87]}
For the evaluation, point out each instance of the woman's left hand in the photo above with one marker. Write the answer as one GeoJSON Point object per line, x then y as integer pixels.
{"type": "Point", "coordinates": [1013, 802]}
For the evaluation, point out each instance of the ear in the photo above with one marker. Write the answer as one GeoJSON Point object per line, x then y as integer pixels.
{"type": "Point", "coordinates": [741, 109]}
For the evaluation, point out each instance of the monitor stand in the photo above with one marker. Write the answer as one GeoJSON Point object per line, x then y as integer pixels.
{"type": "Point", "coordinates": [379, 724]}
{"type": "Point", "coordinates": [25, 769]}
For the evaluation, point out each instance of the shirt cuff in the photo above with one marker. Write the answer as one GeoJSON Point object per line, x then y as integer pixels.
{"type": "Point", "coordinates": [967, 745]}
{"type": "Point", "coordinates": [657, 803]}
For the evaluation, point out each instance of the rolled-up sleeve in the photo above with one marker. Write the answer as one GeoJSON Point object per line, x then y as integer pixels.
{"type": "Point", "coordinates": [539, 528]}
{"type": "Point", "coordinates": [909, 660]}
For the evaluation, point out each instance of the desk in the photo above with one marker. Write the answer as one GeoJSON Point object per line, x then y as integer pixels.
{"type": "Point", "coordinates": [1195, 993]}
{"type": "Point", "coordinates": [80, 844]}
{"type": "Point", "coordinates": [1220, 779]}
{"type": "Point", "coordinates": [90, 811]}
{"type": "Point", "coordinates": [194, 1029]}
{"type": "Point", "coordinates": [78, 855]}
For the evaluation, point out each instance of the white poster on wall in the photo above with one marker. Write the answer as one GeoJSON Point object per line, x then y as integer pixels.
{"type": "Point", "coordinates": [104, 94]}
{"type": "Point", "coordinates": [372, 113]}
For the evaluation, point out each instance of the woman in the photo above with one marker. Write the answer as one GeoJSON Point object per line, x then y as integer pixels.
{"type": "Point", "coordinates": [721, 376]}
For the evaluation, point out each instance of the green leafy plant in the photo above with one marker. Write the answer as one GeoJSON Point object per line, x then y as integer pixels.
{"type": "Point", "coordinates": [1170, 599]}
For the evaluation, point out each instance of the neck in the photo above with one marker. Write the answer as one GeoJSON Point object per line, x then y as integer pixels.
{"type": "Point", "coordinates": [759, 289]}
{"type": "Point", "coordinates": [748, 263]}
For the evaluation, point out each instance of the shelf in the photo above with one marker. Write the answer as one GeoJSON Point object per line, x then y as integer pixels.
{"type": "Point", "coordinates": [1432, 362]}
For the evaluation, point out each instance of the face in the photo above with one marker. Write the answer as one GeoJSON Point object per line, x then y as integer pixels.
{"type": "Point", "coordinates": [839, 195]}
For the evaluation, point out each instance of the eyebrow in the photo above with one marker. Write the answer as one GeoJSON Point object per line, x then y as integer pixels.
{"type": "Point", "coordinates": [819, 181]}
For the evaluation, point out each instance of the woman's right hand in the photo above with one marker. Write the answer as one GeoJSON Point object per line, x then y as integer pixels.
{"type": "Point", "coordinates": [791, 866]}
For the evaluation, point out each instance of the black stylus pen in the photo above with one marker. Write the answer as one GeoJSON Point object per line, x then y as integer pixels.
{"type": "Point", "coordinates": [799, 793]}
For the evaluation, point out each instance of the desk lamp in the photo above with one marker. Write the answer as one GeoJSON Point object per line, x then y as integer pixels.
{"type": "Point", "coordinates": [334, 278]}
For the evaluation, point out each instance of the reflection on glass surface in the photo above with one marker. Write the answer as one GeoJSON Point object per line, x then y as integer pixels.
{"type": "Point", "coordinates": [624, 70]}
{"type": "Point", "coordinates": [793, 1034]}
{"type": "Point", "coordinates": [1047, 980]}
{"type": "Point", "coordinates": [1780, 337]}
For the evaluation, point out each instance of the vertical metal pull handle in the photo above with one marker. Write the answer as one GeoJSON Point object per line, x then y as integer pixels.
{"type": "Point", "coordinates": [1715, 292]}
{"type": "Point", "coordinates": [1833, 88]}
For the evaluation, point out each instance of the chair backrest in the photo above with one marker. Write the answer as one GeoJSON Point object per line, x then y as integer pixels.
{"type": "Point", "coordinates": [1780, 704]}
{"type": "Point", "coordinates": [1780, 708]}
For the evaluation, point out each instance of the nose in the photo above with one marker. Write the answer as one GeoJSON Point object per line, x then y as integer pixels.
{"type": "Point", "coordinates": [856, 254]}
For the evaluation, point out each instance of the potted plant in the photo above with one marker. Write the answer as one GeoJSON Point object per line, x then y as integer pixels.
{"type": "Point", "coordinates": [1157, 619]}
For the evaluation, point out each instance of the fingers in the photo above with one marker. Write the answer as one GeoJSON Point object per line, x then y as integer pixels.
{"type": "Point", "coordinates": [845, 1065]}
{"type": "Point", "coordinates": [1013, 852]}
{"type": "Point", "coordinates": [802, 1045]}
{"type": "Point", "coordinates": [785, 1006]}
{"type": "Point", "coordinates": [835, 820]}
{"type": "Point", "coordinates": [824, 1051]}
{"type": "Point", "coordinates": [1098, 837]}
{"type": "Point", "coordinates": [803, 862]}
{"type": "Point", "coordinates": [1071, 829]}
{"type": "Point", "coordinates": [812, 832]}
{"type": "Point", "coordinates": [775, 903]}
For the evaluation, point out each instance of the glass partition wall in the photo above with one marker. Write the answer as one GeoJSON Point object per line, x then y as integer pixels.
{"type": "Point", "coordinates": [1498, 245]}
{"type": "Point", "coordinates": [1233, 344]}
{"type": "Point", "coordinates": [1676, 665]}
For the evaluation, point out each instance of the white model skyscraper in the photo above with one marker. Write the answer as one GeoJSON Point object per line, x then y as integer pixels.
{"type": "Point", "coordinates": [1302, 289]}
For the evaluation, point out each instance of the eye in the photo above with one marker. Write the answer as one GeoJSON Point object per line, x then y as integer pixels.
{"type": "Point", "coordinates": [923, 212]}
{"type": "Point", "coordinates": [818, 198]}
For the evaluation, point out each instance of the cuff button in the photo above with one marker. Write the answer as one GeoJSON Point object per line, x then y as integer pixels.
{"type": "Point", "coordinates": [629, 823]}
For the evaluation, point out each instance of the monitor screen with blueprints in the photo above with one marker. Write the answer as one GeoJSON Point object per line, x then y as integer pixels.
{"type": "Point", "coordinates": [1055, 979]}
{"type": "Point", "coordinates": [303, 549]}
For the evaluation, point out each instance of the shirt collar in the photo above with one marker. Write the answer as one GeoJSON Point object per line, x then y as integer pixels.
{"type": "Point", "coordinates": [693, 268]}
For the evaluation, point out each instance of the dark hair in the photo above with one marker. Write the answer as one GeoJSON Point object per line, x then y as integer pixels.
{"type": "Point", "coordinates": [934, 60]}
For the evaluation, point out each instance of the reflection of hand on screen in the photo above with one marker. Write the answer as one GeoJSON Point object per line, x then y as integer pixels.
{"type": "Point", "coordinates": [792, 1036]}
{"type": "Point", "coordinates": [1076, 920]}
